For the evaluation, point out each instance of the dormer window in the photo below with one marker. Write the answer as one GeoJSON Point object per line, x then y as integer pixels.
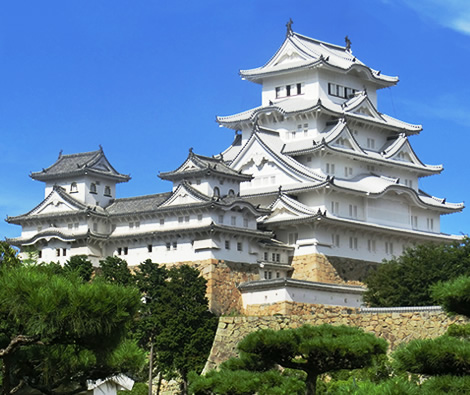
{"type": "Point", "coordinates": [216, 192]}
{"type": "Point", "coordinates": [107, 190]}
{"type": "Point", "coordinates": [231, 192]}
{"type": "Point", "coordinates": [92, 187]}
{"type": "Point", "coordinates": [73, 187]}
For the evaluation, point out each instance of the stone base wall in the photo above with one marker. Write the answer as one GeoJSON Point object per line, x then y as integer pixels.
{"type": "Point", "coordinates": [330, 269]}
{"type": "Point", "coordinates": [223, 277]}
{"type": "Point", "coordinates": [393, 327]}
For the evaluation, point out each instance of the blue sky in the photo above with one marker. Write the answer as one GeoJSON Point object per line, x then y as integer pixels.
{"type": "Point", "coordinates": [145, 79]}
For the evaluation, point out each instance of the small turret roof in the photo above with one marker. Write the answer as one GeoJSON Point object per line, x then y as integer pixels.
{"type": "Point", "coordinates": [200, 166]}
{"type": "Point", "coordinates": [73, 165]}
{"type": "Point", "coordinates": [299, 52]}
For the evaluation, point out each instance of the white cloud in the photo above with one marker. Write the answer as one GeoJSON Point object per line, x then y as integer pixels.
{"type": "Point", "coordinates": [454, 14]}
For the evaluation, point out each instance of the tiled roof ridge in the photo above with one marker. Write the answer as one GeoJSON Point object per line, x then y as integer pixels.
{"type": "Point", "coordinates": [141, 197]}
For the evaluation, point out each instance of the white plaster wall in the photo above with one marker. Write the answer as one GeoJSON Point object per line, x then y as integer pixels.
{"type": "Point", "coordinates": [302, 295]}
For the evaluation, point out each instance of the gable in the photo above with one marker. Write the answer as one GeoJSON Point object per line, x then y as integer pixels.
{"type": "Point", "coordinates": [182, 196]}
{"type": "Point", "coordinates": [268, 168]}
{"type": "Point", "coordinates": [54, 203]}
{"type": "Point", "coordinates": [288, 53]}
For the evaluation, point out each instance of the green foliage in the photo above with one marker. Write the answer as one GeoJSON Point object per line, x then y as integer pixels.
{"type": "Point", "coordinates": [454, 296]}
{"type": "Point", "coordinates": [184, 341]}
{"type": "Point", "coordinates": [393, 386]}
{"type": "Point", "coordinates": [116, 271]}
{"type": "Point", "coordinates": [446, 385]}
{"type": "Point", "coordinates": [58, 330]}
{"type": "Point", "coordinates": [406, 280]}
{"type": "Point", "coordinates": [313, 350]}
{"type": "Point", "coordinates": [80, 265]}
{"type": "Point", "coordinates": [242, 382]}
{"type": "Point", "coordinates": [444, 355]}
{"type": "Point", "coordinates": [138, 389]}
{"type": "Point", "coordinates": [8, 256]}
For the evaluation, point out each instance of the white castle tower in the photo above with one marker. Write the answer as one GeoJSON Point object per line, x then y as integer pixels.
{"type": "Point", "coordinates": [340, 178]}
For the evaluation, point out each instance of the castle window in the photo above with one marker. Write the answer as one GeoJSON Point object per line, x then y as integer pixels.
{"type": "Point", "coordinates": [168, 246]}
{"type": "Point", "coordinates": [227, 244]}
{"type": "Point", "coordinates": [186, 218]}
{"type": "Point", "coordinates": [95, 227]}
{"type": "Point", "coordinates": [299, 88]}
{"type": "Point", "coordinates": [175, 245]}
{"type": "Point", "coordinates": [107, 190]}
{"type": "Point", "coordinates": [180, 219]}
{"type": "Point", "coordinates": [305, 129]}
{"type": "Point", "coordinates": [221, 219]}
{"type": "Point", "coordinates": [199, 217]}
{"type": "Point", "coordinates": [353, 243]}
{"type": "Point", "coordinates": [335, 207]}
{"type": "Point", "coordinates": [309, 158]}
{"type": "Point", "coordinates": [119, 251]}
{"type": "Point", "coordinates": [92, 187]}
{"type": "Point", "coordinates": [414, 221]}
{"type": "Point", "coordinates": [233, 220]}
{"type": "Point", "coordinates": [273, 257]}
{"type": "Point", "coordinates": [292, 238]}
{"type": "Point", "coordinates": [278, 274]}
{"type": "Point", "coordinates": [370, 143]}
{"type": "Point", "coordinates": [330, 169]}
{"type": "Point", "coordinates": [64, 251]}
{"type": "Point", "coordinates": [389, 247]}
{"type": "Point", "coordinates": [149, 248]}
{"type": "Point", "coordinates": [278, 258]}
{"type": "Point", "coordinates": [353, 211]}
{"type": "Point", "coordinates": [348, 171]}
{"type": "Point", "coordinates": [57, 252]}
{"type": "Point", "coordinates": [430, 223]}
{"type": "Point", "coordinates": [245, 222]}
{"type": "Point", "coordinates": [340, 91]}
{"type": "Point", "coordinates": [239, 246]}
{"type": "Point", "coordinates": [216, 192]}
{"type": "Point", "coordinates": [126, 250]}
{"type": "Point", "coordinates": [265, 256]}
{"type": "Point", "coordinates": [162, 221]}
{"type": "Point", "coordinates": [335, 240]}
{"type": "Point", "coordinates": [73, 187]}
{"type": "Point", "coordinates": [278, 92]}
{"type": "Point", "coordinates": [288, 90]}
{"type": "Point", "coordinates": [371, 245]}
{"type": "Point", "coordinates": [70, 226]}
{"type": "Point", "coordinates": [231, 192]}
{"type": "Point", "coordinates": [39, 254]}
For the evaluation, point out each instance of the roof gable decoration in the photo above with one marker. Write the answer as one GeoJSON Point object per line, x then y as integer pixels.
{"type": "Point", "coordinates": [57, 202]}
{"type": "Point", "coordinates": [288, 53]}
{"type": "Point", "coordinates": [284, 208]}
{"type": "Point", "coordinates": [185, 195]}
{"type": "Point", "coordinates": [362, 106]}
{"type": "Point", "coordinates": [341, 136]}
{"type": "Point", "coordinates": [257, 153]}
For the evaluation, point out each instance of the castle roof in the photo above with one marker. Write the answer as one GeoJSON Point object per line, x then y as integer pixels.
{"type": "Point", "coordinates": [358, 108]}
{"type": "Point", "coordinates": [203, 166]}
{"type": "Point", "coordinates": [73, 165]}
{"type": "Point", "coordinates": [299, 52]}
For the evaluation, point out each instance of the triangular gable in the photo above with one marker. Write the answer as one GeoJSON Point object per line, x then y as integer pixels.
{"type": "Point", "coordinates": [288, 52]}
{"type": "Point", "coordinates": [285, 208]}
{"type": "Point", "coordinates": [341, 136]}
{"type": "Point", "coordinates": [258, 159]}
{"type": "Point", "coordinates": [401, 151]}
{"type": "Point", "coordinates": [56, 202]}
{"type": "Point", "coordinates": [184, 195]}
{"type": "Point", "coordinates": [363, 107]}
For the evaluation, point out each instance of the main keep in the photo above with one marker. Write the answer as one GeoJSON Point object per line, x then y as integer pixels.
{"type": "Point", "coordinates": [317, 187]}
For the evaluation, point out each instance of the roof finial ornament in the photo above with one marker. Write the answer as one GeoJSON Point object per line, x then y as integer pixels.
{"type": "Point", "coordinates": [60, 153]}
{"type": "Point", "coordinates": [280, 190]}
{"type": "Point", "coordinates": [190, 150]}
{"type": "Point", "coordinates": [348, 43]}
{"type": "Point", "coordinates": [289, 27]}
{"type": "Point", "coordinates": [101, 147]}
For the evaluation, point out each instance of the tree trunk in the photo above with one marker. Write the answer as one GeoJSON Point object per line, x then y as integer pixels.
{"type": "Point", "coordinates": [159, 382]}
{"type": "Point", "coordinates": [151, 366]}
{"type": "Point", "coordinates": [311, 383]}
{"type": "Point", "coordinates": [6, 385]}
{"type": "Point", "coordinates": [184, 384]}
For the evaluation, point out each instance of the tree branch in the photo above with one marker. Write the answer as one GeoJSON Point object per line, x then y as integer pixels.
{"type": "Point", "coordinates": [17, 342]}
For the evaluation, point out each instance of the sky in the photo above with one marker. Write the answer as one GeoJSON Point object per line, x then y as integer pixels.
{"type": "Point", "coordinates": [146, 79]}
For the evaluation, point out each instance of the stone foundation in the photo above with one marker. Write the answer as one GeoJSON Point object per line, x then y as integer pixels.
{"type": "Point", "coordinates": [392, 326]}
{"type": "Point", "coordinates": [330, 269]}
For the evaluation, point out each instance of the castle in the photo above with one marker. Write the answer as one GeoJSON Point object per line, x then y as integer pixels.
{"type": "Point", "coordinates": [317, 187]}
